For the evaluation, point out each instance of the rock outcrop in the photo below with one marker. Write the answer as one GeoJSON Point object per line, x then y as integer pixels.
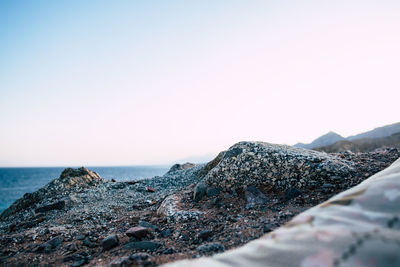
{"type": "Point", "coordinates": [179, 167]}
{"type": "Point", "coordinates": [278, 166]}
{"type": "Point", "coordinates": [69, 179]}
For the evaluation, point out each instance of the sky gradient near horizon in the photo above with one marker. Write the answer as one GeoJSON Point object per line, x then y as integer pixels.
{"type": "Point", "coordinates": [153, 82]}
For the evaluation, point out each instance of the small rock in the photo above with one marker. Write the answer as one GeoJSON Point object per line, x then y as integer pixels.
{"type": "Point", "coordinates": [88, 243]}
{"type": "Point", "coordinates": [199, 191]}
{"type": "Point", "coordinates": [138, 232]}
{"type": "Point", "coordinates": [205, 234]}
{"type": "Point", "coordinates": [12, 227]}
{"type": "Point", "coordinates": [326, 185]}
{"type": "Point", "coordinates": [55, 242]}
{"type": "Point", "coordinates": [151, 189]}
{"type": "Point", "coordinates": [79, 262]}
{"type": "Point", "coordinates": [71, 247]}
{"type": "Point", "coordinates": [267, 229]}
{"type": "Point", "coordinates": [213, 191]}
{"type": "Point", "coordinates": [169, 251]}
{"type": "Point", "coordinates": [148, 225]}
{"type": "Point", "coordinates": [255, 197]}
{"type": "Point", "coordinates": [336, 178]}
{"type": "Point", "coordinates": [211, 247]}
{"type": "Point", "coordinates": [79, 237]}
{"type": "Point", "coordinates": [118, 185]}
{"type": "Point", "coordinates": [166, 233]}
{"type": "Point", "coordinates": [113, 180]}
{"type": "Point", "coordinates": [54, 206]}
{"type": "Point", "coordinates": [292, 193]}
{"type": "Point", "coordinates": [79, 259]}
{"type": "Point", "coordinates": [232, 219]}
{"type": "Point", "coordinates": [121, 262]}
{"type": "Point", "coordinates": [45, 247]}
{"type": "Point", "coordinates": [139, 257]}
{"type": "Point", "coordinates": [143, 245]}
{"type": "Point", "coordinates": [110, 242]}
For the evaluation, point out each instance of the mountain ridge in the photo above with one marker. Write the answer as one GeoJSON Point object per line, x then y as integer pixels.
{"type": "Point", "coordinates": [331, 137]}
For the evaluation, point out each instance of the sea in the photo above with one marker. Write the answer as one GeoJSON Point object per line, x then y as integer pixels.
{"type": "Point", "coordinates": [15, 182]}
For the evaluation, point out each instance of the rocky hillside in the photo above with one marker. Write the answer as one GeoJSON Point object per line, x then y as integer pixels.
{"type": "Point", "coordinates": [379, 132]}
{"type": "Point", "coordinates": [362, 145]}
{"type": "Point", "coordinates": [192, 211]}
{"type": "Point", "coordinates": [332, 138]}
{"type": "Point", "coordinates": [325, 140]}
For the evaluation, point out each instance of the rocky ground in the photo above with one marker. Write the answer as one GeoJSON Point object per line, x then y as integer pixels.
{"type": "Point", "coordinates": [192, 211]}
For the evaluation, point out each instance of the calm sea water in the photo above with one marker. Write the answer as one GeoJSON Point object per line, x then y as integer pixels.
{"type": "Point", "coordinates": [15, 182]}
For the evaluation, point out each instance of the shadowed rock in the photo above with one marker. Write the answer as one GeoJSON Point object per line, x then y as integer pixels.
{"type": "Point", "coordinates": [110, 242]}
{"type": "Point", "coordinates": [54, 206]}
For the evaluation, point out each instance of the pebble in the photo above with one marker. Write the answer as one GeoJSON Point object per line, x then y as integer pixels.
{"type": "Point", "coordinates": [149, 225]}
{"type": "Point", "coordinates": [166, 233]}
{"type": "Point", "coordinates": [55, 242]}
{"type": "Point", "coordinates": [138, 232]}
{"type": "Point", "coordinates": [79, 237]}
{"type": "Point", "coordinates": [110, 242]}
{"type": "Point", "coordinates": [86, 242]}
{"type": "Point", "coordinates": [169, 251]}
{"type": "Point", "coordinates": [143, 245]}
{"type": "Point", "coordinates": [292, 193]}
{"type": "Point", "coordinates": [205, 234]}
{"type": "Point", "coordinates": [151, 189]}
{"type": "Point", "coordinates": [211, 248]}
{"type": "Point", "coordinates": [213, 191]}
{"type": "Point", "coordinates": [255, 197]}
{"type": "Point", "coordinates": [71, 247]}
{"type": "Point", "coordinates": [54, 206]}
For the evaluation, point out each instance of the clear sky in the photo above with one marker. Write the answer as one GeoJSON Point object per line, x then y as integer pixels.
{"type": "Point", "coordinates": [153, 82]}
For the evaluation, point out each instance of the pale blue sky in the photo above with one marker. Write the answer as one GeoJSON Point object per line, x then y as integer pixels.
{"type": "Point", "coordinates": [152, 82]}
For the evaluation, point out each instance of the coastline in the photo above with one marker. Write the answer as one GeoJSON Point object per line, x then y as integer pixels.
{"type": "Point", "coordinates": [17, 181]}
{"type": "Point", "coordinates": [186, 215]}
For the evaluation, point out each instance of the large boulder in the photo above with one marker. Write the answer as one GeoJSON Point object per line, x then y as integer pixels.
{"type": "Point", "coordinates": [70, 179]}
{"type": "Point", "coordinates": [279, 167]}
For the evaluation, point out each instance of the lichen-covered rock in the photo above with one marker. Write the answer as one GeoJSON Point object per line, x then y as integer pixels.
{"type": "Point", "coordinates": [69, 179]}
{"type": "Point", "coordinates": [209, 166]}
{"type": "Point", "coordinates": [278, 166]}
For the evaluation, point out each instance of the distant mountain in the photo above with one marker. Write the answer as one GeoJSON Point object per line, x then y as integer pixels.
{"type": "Point", "coordinates": [325, 140]}
{"type": "Point", "coordinates": [196, 159]}
{"type": "Point", "coordinates": [363, 144]}
{"type": "Point", "coordinates": [384, 131]}
{"type": "Point", "coordinates": [332, 138]}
